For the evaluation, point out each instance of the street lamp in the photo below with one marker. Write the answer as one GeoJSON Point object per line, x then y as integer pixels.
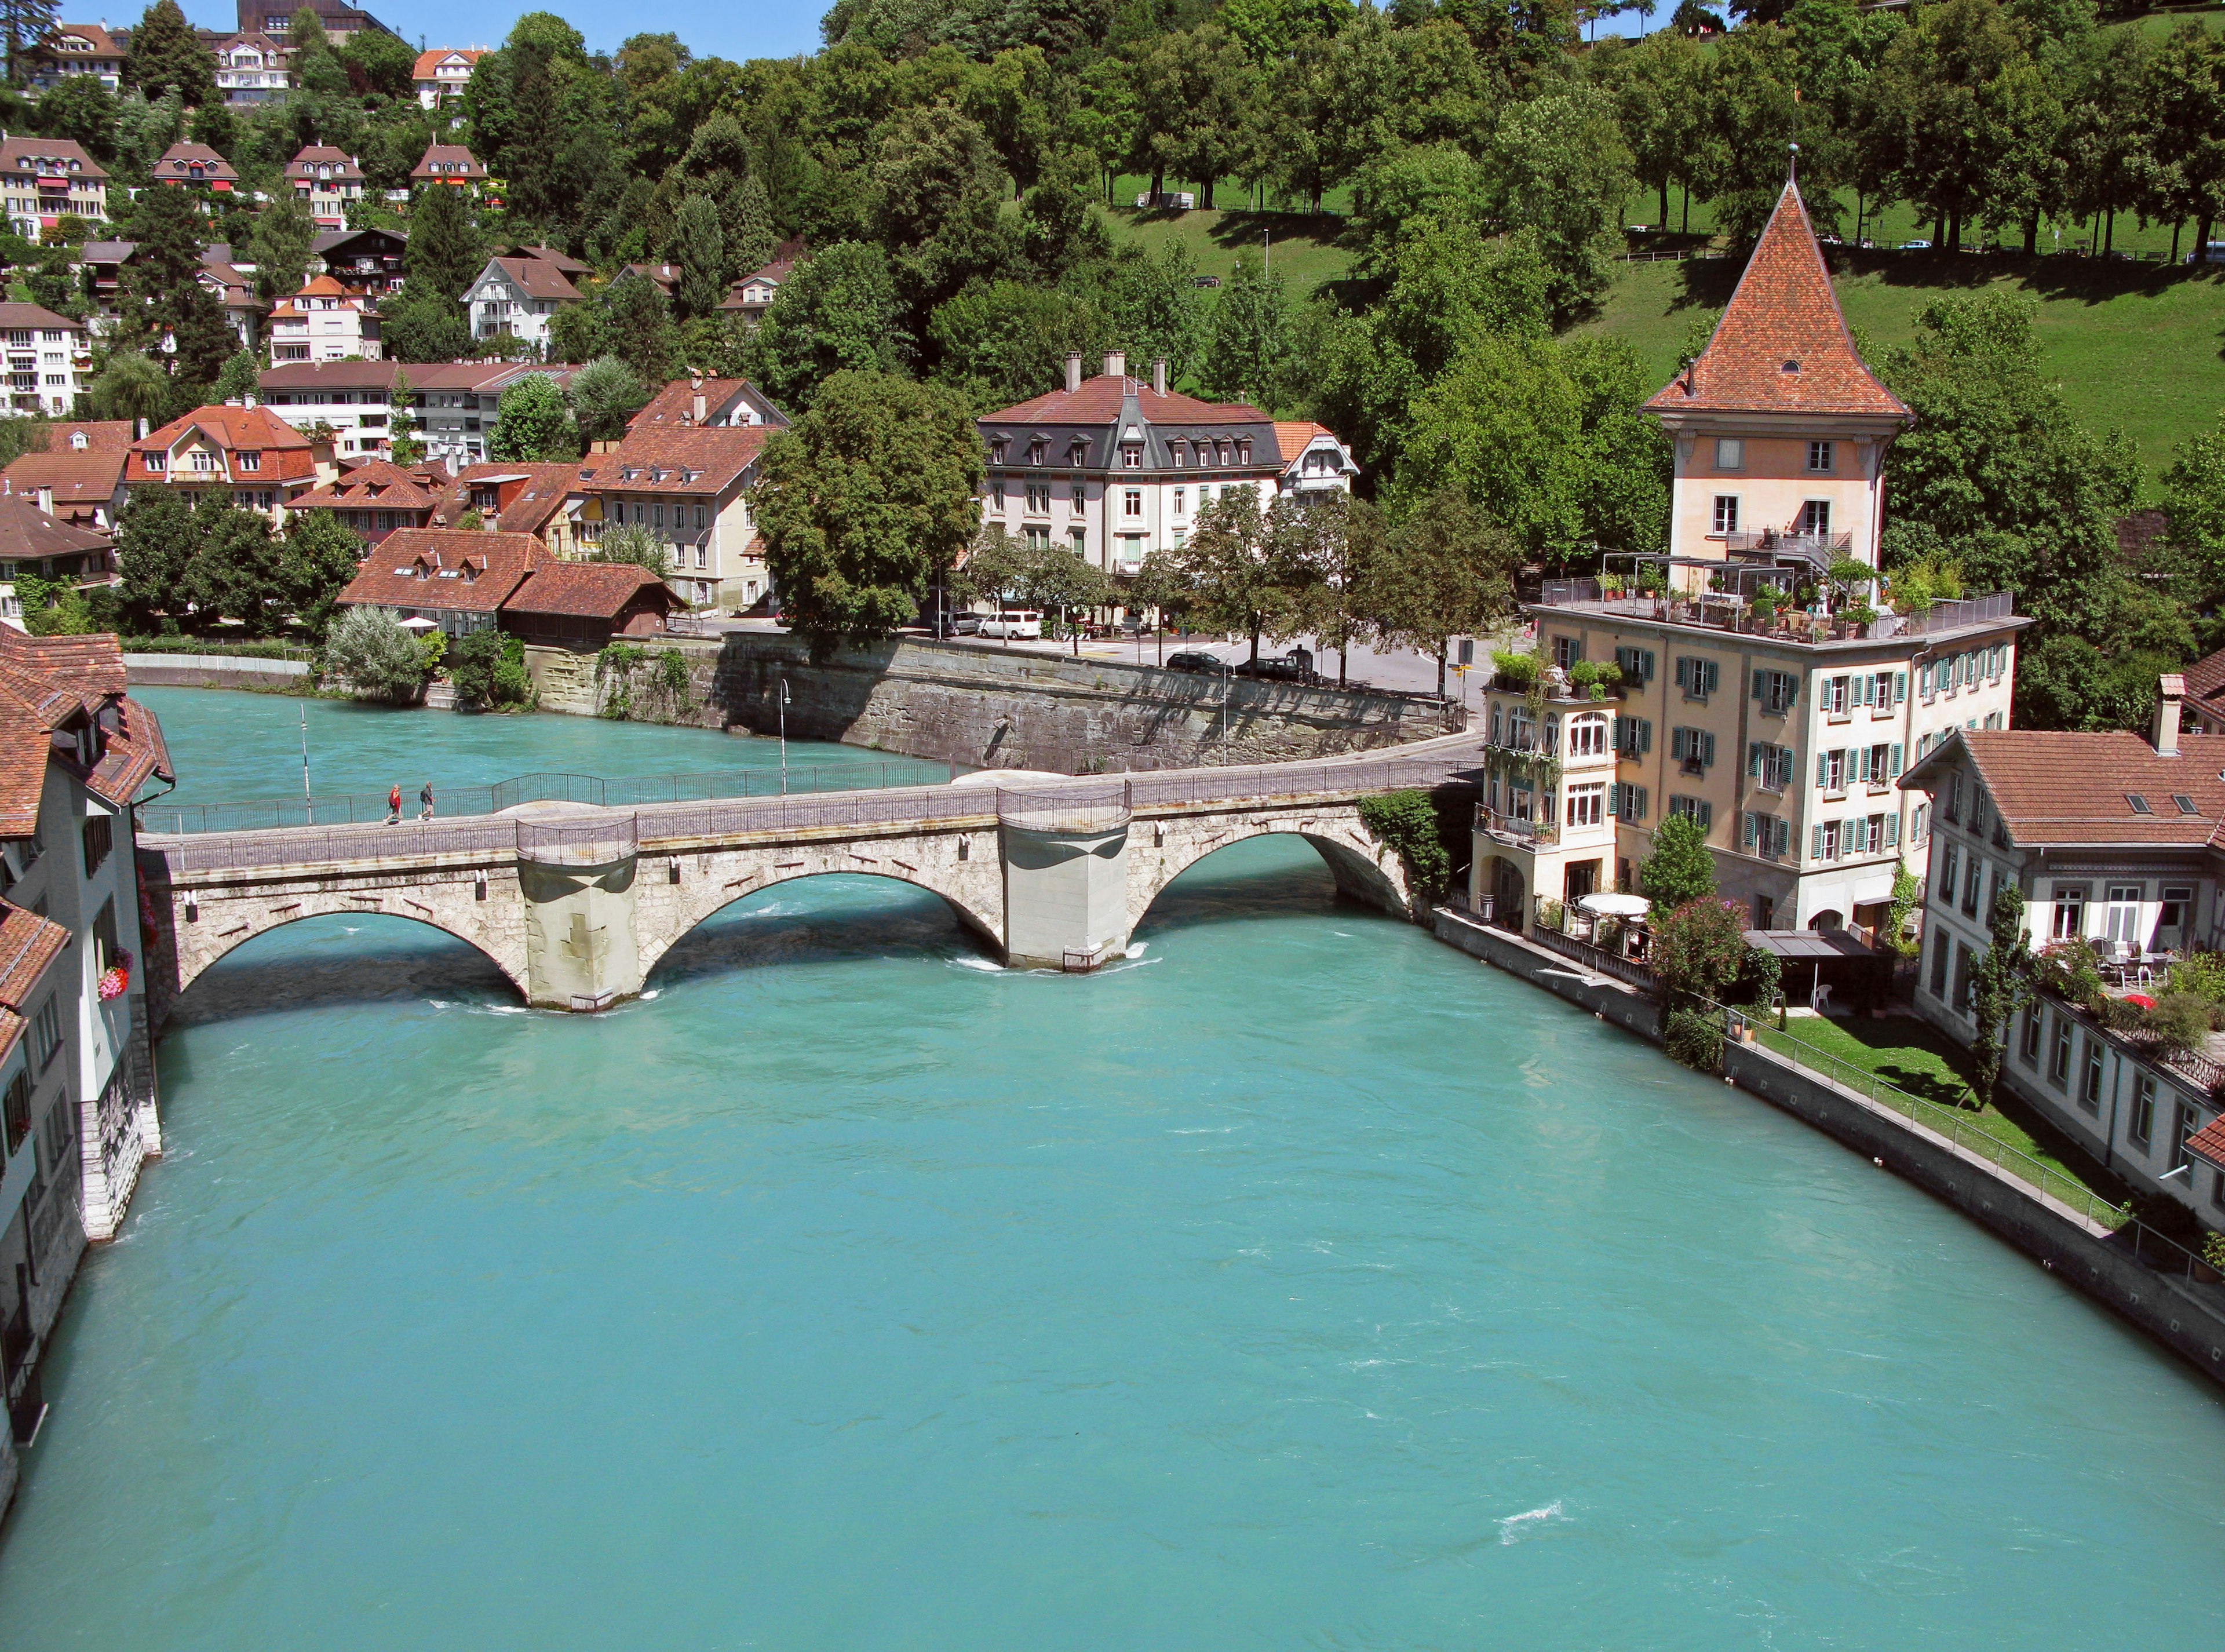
{"type": "Point", "coordinates": [783, 737]}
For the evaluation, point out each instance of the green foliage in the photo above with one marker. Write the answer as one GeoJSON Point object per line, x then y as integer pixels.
{"type": "Point", "coordinates": [1445, 571]}
{"type": "Point", "coordinates": [1699, 949]}
{"type": "Point", "coordinates": [863, 500]}
{"type": "Point", "coordinates": [2202, 974]}
{"type": "Point", "coordinates": [239, 377]}
{"type": "Point", "coordinates": [1407, 822]}
{"type": "Point", "coordinates": [604, 395]}
{"type": "Point", "coordinates": [836, 313]}
{"type": "Point", "coordinates": [1695, 1038]}
{"type": "Point", "coordinates": [166, 56]}
{"type": "Point", "coordinates": [404, 445]}
{"type": "Point", "coordinates": [699, 247]}
{"type": "Point", "coordinates": [368, 648]}
{"type": "Point", "coordinates": [633, 543]}
{"type": "Point", "coordinates": [1681, 870]}
{"type": "Point", "coordinates": [445, 254]}
{"type": "Point", "coordinates": [1907, 900]}
{"type": "Point", "coordinates": [2183, 1020]}
{"type": "Point", "coordinates": [1520, 670]}
{"type": "Point", "coordinates": [2001, 985]}
{"type": "Point", "coordinates": [1247, 346]}
{"type": "Point", "coordinates": [279, 244]}
{"type": "Point", "coordinates": [424, 328]}
{"type": "Point", "coordinates": [532, 424]}
{"type": "Point", "coordinates": [488, 669]}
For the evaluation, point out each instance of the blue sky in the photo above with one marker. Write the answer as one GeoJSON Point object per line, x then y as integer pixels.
{"type": "Point", "coordinates": [735, 28]}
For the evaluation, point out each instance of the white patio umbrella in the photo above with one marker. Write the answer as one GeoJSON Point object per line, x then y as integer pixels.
{"type": "Point", "coordinates": [419, 622]}
{"type": "Point", "coordinates": [1608, 904]}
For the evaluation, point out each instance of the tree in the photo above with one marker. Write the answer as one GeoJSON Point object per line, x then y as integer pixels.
{"type": "Point", "coordinates": [532, 424]}
{"type": "Point", "coordinates": [863, 500]}
{"type": "Point", "coordinates": [1681, 869]}
{"type": "Point", "coordinates": [405, 446]}
{"type": "Point", "coordinates": [2185, 102]}
{"type": "Point", "coordinates": [488, 669]}
{"type": "Point", "coordinates": [1999, 987]}
{"type": "Point", "coordinates": [1558, 167]}
{"type": "Point", "coordinates": [699, 246]}
{"type": "Point", "coordinates": [634, 542]}
{"type": "Point", "coordinates": [579, 332]}
{"type": "Point", "coordinates": [1335, 538]}
{"type": "Point", "coordinates": [1446, 570]}
{"type": "Point", "coordinates": [317, 558]}
{"type": "Point", "coordinates": [752, 238]}
{"type": "Point", "coordinates": [164, 281]}
{"type": "Point", "coordinates": [378, 61]}
{"type": "Point", "coordinates": [238, 572]}
{"type": "Point", "coordinates": [78, 107]}
{"type": "Point", "coordinates": [836, 313]}
{"type": "Point", "coordinates": [444, 255]}
{"type": "Point", "coordinates": [1248, 344]}
{"type": "Point", "coordinates": [638, 328]}
{"type": "Point", "coordinates": [25, 23]}
{"type": "Point", "coordinates": [279, 243]}
{"type": "Point", "coordinates": [605, 397]}
{"type": "Point", "coordinates": [369, 649]}
{"type": "Point", "coordinates": [165, 56]}
{"type": "Point", "coordinates": [1002, 342]}
{"type": "Point", "coordinates": [1699, 952]}
{"type": "Point", "coordinates": [1907, 903]}
{"type": "Point", "coordinates": [240, 377]}
{"type": "Point", "coordinates": [427, 327]}
{"type": "Point", "coordinates": [130, 387]}
{"type": "Point", "coordinates": [1231, 568]}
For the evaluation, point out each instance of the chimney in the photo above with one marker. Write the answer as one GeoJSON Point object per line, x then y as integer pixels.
{"type": "Point", "coordinates": [2173, 695]}
{"type": "Point", "coordinates": [142, 427]}
{"type": "Point", "coordinates": [47, 500]}
{"type": "Point", "coordinates": [1159, 375]}
{"type": "Point", "coordinates": [1116, 364]}
{"type": "Point", "coordinates": [701, 405]}
{"type": "Point", "coordinates": [1074, 370]}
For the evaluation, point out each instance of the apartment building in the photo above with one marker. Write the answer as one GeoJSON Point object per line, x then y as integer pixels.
{"type": "Point", "coordinates": [36, 543]}
{"type": "Point", "coordinates": [518, 298]}
{"type": "Point", "coordinates": [327, 180]}
{"type": "Point", "coordinates": [752, 295]}
{"type": "Point", "coordinates": [441, 75]}
{"type": "Point", "coordinates": [45, 179]}
{"type": "Point", "coordinates": [1783, 731]}
{"type": "Point", "coordinates": [46, 356]}
{"type": "Point", "coordinates": [2116, 841]}
{"type": "Point", "coordinates": [252, 69]}
{"type": "Point", "coordinates": [325, 321]}
{"type": "Point", "coordinates": [1545, 829]}
{"type": "Point", "coordinates": [688, 485]}
{"type": "Point", "coordinates": [78, 48]}
{"type": "Point", "coordinates": [342, 23]}
{"type": "Point", "coordinates": [455, 403]}
{"type": "Point", "coordinates": [77, 1089]}
{"type": "Point", "coordinates": [1114, 468]}
{"type": "Point", "coordinates": [550, 502]}
{"type": "Point", "coordinates": [79, 477]}
{"type": "Point", "coordinates": [248, 453]}
{"type": "Point", "coordinates": [195, 164]}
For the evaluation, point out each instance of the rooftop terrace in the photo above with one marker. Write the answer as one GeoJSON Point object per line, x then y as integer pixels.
{"type": "Point", "coordinates": [1730, 612]}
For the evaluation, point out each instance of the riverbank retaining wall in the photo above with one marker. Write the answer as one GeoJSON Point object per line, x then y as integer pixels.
{"type": "Point", "coordinates": [212, 671]}
{"type": "Point", "coordinates": [986, 708]}
{"type": "Point", "coordinates": [2187, 1317]}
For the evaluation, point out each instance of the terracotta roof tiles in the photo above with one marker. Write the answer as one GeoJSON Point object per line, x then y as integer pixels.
{"type": "Point", "coordinates": [1100, 400]}
{"type": "Point", "coordinates": [586, 589]}
{"type": "Point", "coordinates": [2059, 789]}
{"type": "Point", "coordinates": [445, 569]}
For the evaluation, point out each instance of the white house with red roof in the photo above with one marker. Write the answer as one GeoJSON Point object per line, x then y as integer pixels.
{"type": "Point", "coordinates": [325, 179]}
{"type": "Point", "coordinates": [1114, 467]}
{"type": "Point", "coordinates": [325, 321]}
{"type": "Point", "coordinates": [442, 74]}
{"type": "Point", "coordinates": [45, 355]}
{"type": "Point", "coordinates": [249, 453]}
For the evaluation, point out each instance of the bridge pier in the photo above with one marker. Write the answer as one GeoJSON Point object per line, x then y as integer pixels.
{"type": "Point", "coordinates": [1066, 883]}
{"type": "Point", "coordinates": [575, 870]}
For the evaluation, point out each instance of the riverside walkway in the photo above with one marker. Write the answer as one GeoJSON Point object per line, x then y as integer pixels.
{"type": "Point", "coordinates": [576, 903]}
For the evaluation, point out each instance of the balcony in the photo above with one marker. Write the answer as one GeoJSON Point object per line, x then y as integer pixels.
{"type": "Point", "coordinates": [1823, 549]}
{"type": "Point", "coordinates": [1514, 831]}
{"type": "Point", "coordinates": [1726, 612]}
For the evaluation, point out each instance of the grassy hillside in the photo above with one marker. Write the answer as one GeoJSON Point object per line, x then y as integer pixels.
{"type": "Point", "coordinates": [1300, 248]}
{"type": "Point", "coordinates": [2137, 347]}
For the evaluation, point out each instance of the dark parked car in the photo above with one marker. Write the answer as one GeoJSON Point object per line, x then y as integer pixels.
{"type": "Point", "coordinates": [1193, 661]}
{"type": "Point", "coordinates": [1297, 666]}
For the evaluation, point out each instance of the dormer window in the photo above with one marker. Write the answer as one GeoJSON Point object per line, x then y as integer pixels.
{"type": "Point", "coordinates": [1792, 366]}
{"type": "Point", "coordinates": [250, 461]}
{"type": "Point", "coordinates": [1243, 453]}
{"type": "Point", "coordinates": [1132, 458]}
{"type": "Point", "coordinates": [1174, 452]}
{"type": "Point", "coordinates": [1034, 452]}
{"type": "Point", "coordinates": [156, 461]}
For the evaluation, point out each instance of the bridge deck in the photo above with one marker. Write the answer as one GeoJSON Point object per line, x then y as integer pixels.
{"type": "Point", "coordinates": [189, 858]}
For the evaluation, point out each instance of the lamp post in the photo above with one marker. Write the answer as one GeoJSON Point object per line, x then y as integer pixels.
{"type": "Point", "coordinates": [308, 804]}
{"type": "Point", "coordinates": [783, 737]}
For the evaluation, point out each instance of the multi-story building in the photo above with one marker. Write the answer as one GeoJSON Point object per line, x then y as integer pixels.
{"type": "Point", "coordinates": [550, 502]}
{"type": "Point", "coordinates": [518, 298]}
{"type": "Point", "coordinates": [1114, 467]}
{"type": "Point", "coordinates": [441, 75]}
{"type": "Point", "coordinates": [35, 543]}
{"type": "Point", "coordinates": [326, 180]}
{"type": "Point", "coordinates": [703, 403]}
{"type": "Point", "coordinates": [467, 582]}
{"type": "Point", "coordinates": [342, 23]}
{"type": "Point", "coordinates": [752, 295]}
{"type": "Point", "coordinates": [377, 498]}
{"type": "Point", "coordinates": [252, 69]}
{"type": "Point", "coordinates": [448, 163]}
{"type": "Point", "coordinates": [46, 179]}
{"type": "Point", "coordinates": [77, 1089]}
{"type": "Point", "coordinates": [325, 321]}
{"type": "Point", "coordinates": [2115, 841]}
{"type": "Point", "coordinates": [454, 403]}
{"type": "Point", "coordinates": [1783, 732]}
{"type": "Point", "coordinates": [195, 164]}
{"type": "Point", "coordinates": [369, 259]}
{"type": "Point", "coordinates": [1547, 819]}
{"type": "Point", "coordinates": [234, 289]}
{"type": "Point", "coordinates": [249, 454]}
{"type": "Point", "coordinates": [79, 477]}
{"type": "Point", "coordinates": [46, 353]}
{"type": "Point", "coordinates": [688, 484]}
{"type": "Point", "coordinates": [78, 48]}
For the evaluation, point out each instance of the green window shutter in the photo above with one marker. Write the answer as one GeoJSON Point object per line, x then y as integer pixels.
{"type": "Point", "coordinates": [1613, 798]}
{"type": "Point", "coordinates": [1822, 769]}
{"type": "Point", "coordinates": [1683, 671]}
{"type": "Point", "coordinates": [1753, 759]}
{"type": "Point", "coordinates": [1748, 822]}
{"type": "Point", "coordinates": [1642, 796]}
{"type": "Point", "coordinates": [1892, 831]}
{"type": "Point", "coordinates": [1792, 691]}
{"type": "Point", "coordinates": [1707, 750]}
{"type": "Point", "coordinates": [1896, 773]}
{"type": "Point", "coordinates": [1645, 734]}
{"type": "Point", "coordinates": [1760, 680]}
{"type": "Point", "coordinates": [1900, 687]}
{"type": "Point", "coordinates": [1815, 851]}
{"type": "Point", "coordinates": [1647, 654]}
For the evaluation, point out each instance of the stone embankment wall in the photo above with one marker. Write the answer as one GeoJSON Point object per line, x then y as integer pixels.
{"type": "Point", "coordinates": [213, 671]}
{"type": "Point", "coordinates": [989, 709]}
{"type": "Point", "coordinates": [2186, 1317]}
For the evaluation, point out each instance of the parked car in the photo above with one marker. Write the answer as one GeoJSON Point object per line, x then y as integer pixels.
{"type": "Point", "coordinates": [1013, 622]}
{"type": "Point", "coordinates": [1297, 666]}
{"type": "Point", "coordinates": [1204, 281]}
{"type": "Point", "coordinates": [1916, 246]}
{"type": "Point", "coordinates": [1191, 660]}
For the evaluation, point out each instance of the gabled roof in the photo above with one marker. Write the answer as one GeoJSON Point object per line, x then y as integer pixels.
{"type": "Point", "coordinates": [1782, 345]}
{"type": "Point", "coordinates": [1293, 439]}
{"type": "Point", "coordinates": [27, 534]}
{"type": "Point", "coordinates": [1100, 400]}
{"type": "Point", "coordinates": [588, 590]}
{"type": "Point", "coordinates": [289, 454]}
{"type": "Point", "coordinates": [2205, 678]}
{"type": "Point", "coordinates": [179, 160]}
{"type": "Point", "coordinates": [674, 405]}
{"type": "Point", "coordinates": [428, 63]}
{"type": "Point", "coordinates": [17, 152]}
{"type": "Point", "coordinates": [332, 240]}
{"type": "Point", "coordinates": [52, 683]}
{"type": "Point", "coordinates": [377, 484]}
{"type": "Point", "coordinates": [667, 276]}
{"type": "Point", "coordinates": [542, 493]}
{"type": "Point", "coordinates": [83, 479]}
{"type": "Point", "coordinates": [303, 166]}
{"type": "Point", "coordinates": [698, 462]}
{"type": "Point", "coordinates": [106, 252]}
{"type": "Point", "coordinates": [563, 261]}
{"type": "Point", "coordinates": [235, 288]}
{"type": "Point", "coordinates": [785, 257]}
{"type": "Point", "coordinates": [443, 568]}
{"type": "Point", "coordinates": [95, 35]}
{"type": "Point", "coordinates": [2059, 790]}
{"type": "Point", "coordinates": [100, 436]}
{"type": "Point", "coordinates": [29, 946]}
{"type": "Point", "coordinates": [322, 287]}
{"type": "Point", "coordinates": [447, 161]}
{"type": "Point", "coordinates": [535, 277]}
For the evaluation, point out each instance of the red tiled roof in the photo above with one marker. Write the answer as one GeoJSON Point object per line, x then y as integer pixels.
{"type": "Point", "coordinates": [179, 160]}
{"type": "Point", "coordinates": [134, 754]}
{"type": "Point", "coordinates": [674, 405]}
{"type": "Point", "coordinates": [377, 484]}
{"type": "Point", "coordinates": [536, 278]}
{"type": "Point", "coordinates": [29, 946]}
{"type": "Point", "coordinates": [445, 161]}
{"type": "Point", "coordinates": [13, 314]}
{"type": "Point", "coordinates": [587, 590]}
{"type": "Point", "coordinates": [51, 683]}
{"type": "Point", "coordinates": [83, 479]}
{"type": "Point", "coordinates": [302, 169]}
{"type": "Point", "coordinates": [287, 454]}
{"type": "Point", "coordinates": [1782, 345]}
{"type": "Point", "coordinates": [548, 255]}
{"type": "Point", "coordinates": [2059, 789]}
{"type": "Point", "coordinates": [443, 568]}
{"type": "Point", "coordinates": [27, 534]}
{"type": "Point", "coordinates": [541, 496]}
{"type": "Point", "coordinates": [2208, 1144]}
{"type": "Point", "coordinates": [17, 153]}
{"type": "Point", "coordinates": [428, 63]}
{"type": "Point", "coordinates": [2205, 678]}
{"type": "Point", "coordinates": [702, 461]}
{"type": "Point", "coordinates": [1293, 439]}
{"type": "Point", "coordinates": [101, 435]}
{"type": "Point", "coordinates": [1099, 400]}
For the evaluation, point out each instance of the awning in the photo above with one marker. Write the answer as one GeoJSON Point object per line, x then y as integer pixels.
{"type": "Point", "coordinates": [1608, 904]}
{"type": "Point", "coordinates": [1809, 943]}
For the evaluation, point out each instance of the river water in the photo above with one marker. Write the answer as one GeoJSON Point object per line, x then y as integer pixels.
{"type": "Point", "coordinates": [1299, 1282]}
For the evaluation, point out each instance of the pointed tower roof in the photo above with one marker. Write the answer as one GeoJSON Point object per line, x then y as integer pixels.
{"type": "Point", "coordinates": [1782, 345]}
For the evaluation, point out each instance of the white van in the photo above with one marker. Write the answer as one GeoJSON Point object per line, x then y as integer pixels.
{"type": "Point", "coordinates": [1013, 622]}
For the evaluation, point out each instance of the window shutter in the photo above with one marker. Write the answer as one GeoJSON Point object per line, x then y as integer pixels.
{"type": "Point", "coordinates": [1753, 759]}
{"type": "Point", "coordinates": [1642, 796]}
{"type": "Point", "coordinates": [1746, 833]}
{"type": "Point", "coordinates": [1822, 769]}
{"type": "Point", "coordinates": [1683, 671]}
{"type": "Point", "coordinates": [1817, 852]}
{"type": "Point", "coordinates": [1613, 798]}
{"type": "Point", "coordinates": [1647, 654]}
{"type": "Point", "coordinates": [1892, 831]}
{"type": "Point", "coordinates": [1645, 734]}
{"type": "Point", "coordinates": [1899, 687]}
{"type": "Point", "coordinates": [1896, 773]}
{"type": "Point", "coordinates": [1759, 677]}
{"type": "Point", "coordinates": [1707, 751]}
{"type": "Point", "coordinates": [1792, 691]}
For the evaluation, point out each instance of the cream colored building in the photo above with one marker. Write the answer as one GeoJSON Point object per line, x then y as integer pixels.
{"type": "Point", "coordinates": [1783, 735]}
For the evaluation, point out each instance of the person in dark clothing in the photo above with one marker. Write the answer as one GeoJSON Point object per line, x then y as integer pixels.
{"type": "Point", "coordinates": [425, 801]}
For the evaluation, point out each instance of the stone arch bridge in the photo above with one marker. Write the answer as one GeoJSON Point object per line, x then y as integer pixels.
{"type": "Point", "coordinates": [575, 904]}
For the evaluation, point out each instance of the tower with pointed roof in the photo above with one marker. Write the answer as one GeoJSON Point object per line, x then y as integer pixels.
{"type": "Point", "coordinates": [1781, 429]}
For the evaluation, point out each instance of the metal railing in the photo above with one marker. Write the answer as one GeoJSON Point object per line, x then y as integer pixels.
{"type": "Point", "coordinates": [1792, 544]}
{"type": "Point", "coordinates": [1598, 959]}
{"type": "Point", "coordinates": [266, 815]}
{"type": "Point", "coordinates": [1953, 613]}
{"type": "Point", "coordinates": [496, 836]}
{"type": "Point", "coordinates": [1513, 825]}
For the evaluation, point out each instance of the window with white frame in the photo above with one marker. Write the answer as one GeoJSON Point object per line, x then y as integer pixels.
{"type": "Point", "coordinates": [2122, 918]}
{"type": "Point", "coordinates": [1815, 518]}
{"type": "Point", "coordinates": [2069, 920]}
{"type": "Point", "coordinates": [1587, 804]}
{"type": "Point", "coordinates": [1588, 736]}
{"type": "Point", "coordinates": [1727, 515]}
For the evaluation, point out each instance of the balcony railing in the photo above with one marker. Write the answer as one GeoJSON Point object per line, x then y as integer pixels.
{"type": "Point", "coordinates": [1514, 827]}
{"type": "Point", "coordinates": [1826, 547]}
{"type": "Point", "coordinates": [1723, 611]}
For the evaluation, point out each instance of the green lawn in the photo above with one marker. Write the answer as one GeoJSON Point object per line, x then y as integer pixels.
{"type": "Point", "coordinates": [1299, 247]}
{"type": "Point", "coordinates": [1914, 1056]}
{"type": "Point", "coordinates": [2137, 347]}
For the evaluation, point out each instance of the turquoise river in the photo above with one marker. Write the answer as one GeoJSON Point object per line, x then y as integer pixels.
{"type": "Point", "coordinates": [1297, 1283]}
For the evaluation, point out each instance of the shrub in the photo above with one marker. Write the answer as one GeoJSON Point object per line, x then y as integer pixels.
{"type": "Point", "coordinates": [2071, 971]}
{"type": "Point", "coordinates": [379, 659]}
{"type": "Point", "coordinates": [1520, 670]}
{"type": "Point", "coordinates": [2200, 974]}
{"type": "Point", "coordinates": [1595, 676]}
{"type": "Point", "coordinates": [2181, 1019]}
{"type": "Point", "coordinates": [1407, 822]}
{"type": "Point", "coordinates": [1695, 1038]}
{"type": "Point", "coordinates": [1552, 916]}
{"type": "Point", "coordinates": [1680, 869]}
{"type": "Point", "coordinates": [489, 670]}
{"type": "Point", "coordinates": [1699, 949]}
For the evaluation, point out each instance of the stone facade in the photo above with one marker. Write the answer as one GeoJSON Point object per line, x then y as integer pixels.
{"type": "Point", "coordinates": [988, 709]}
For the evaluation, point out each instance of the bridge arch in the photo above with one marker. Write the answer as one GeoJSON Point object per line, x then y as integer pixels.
{"type": "Point", "coordinates": [225, 931]}
{"type": "Point", "coordinates": [711, 897]}
{"type": "Point", "coordinates": [1159, 851]}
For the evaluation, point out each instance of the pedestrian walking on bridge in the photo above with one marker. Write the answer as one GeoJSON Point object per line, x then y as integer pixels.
{"type": "Point", "coordinates": [425, 801]}
{"type": "Point", "coordinates": [394, 806]}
